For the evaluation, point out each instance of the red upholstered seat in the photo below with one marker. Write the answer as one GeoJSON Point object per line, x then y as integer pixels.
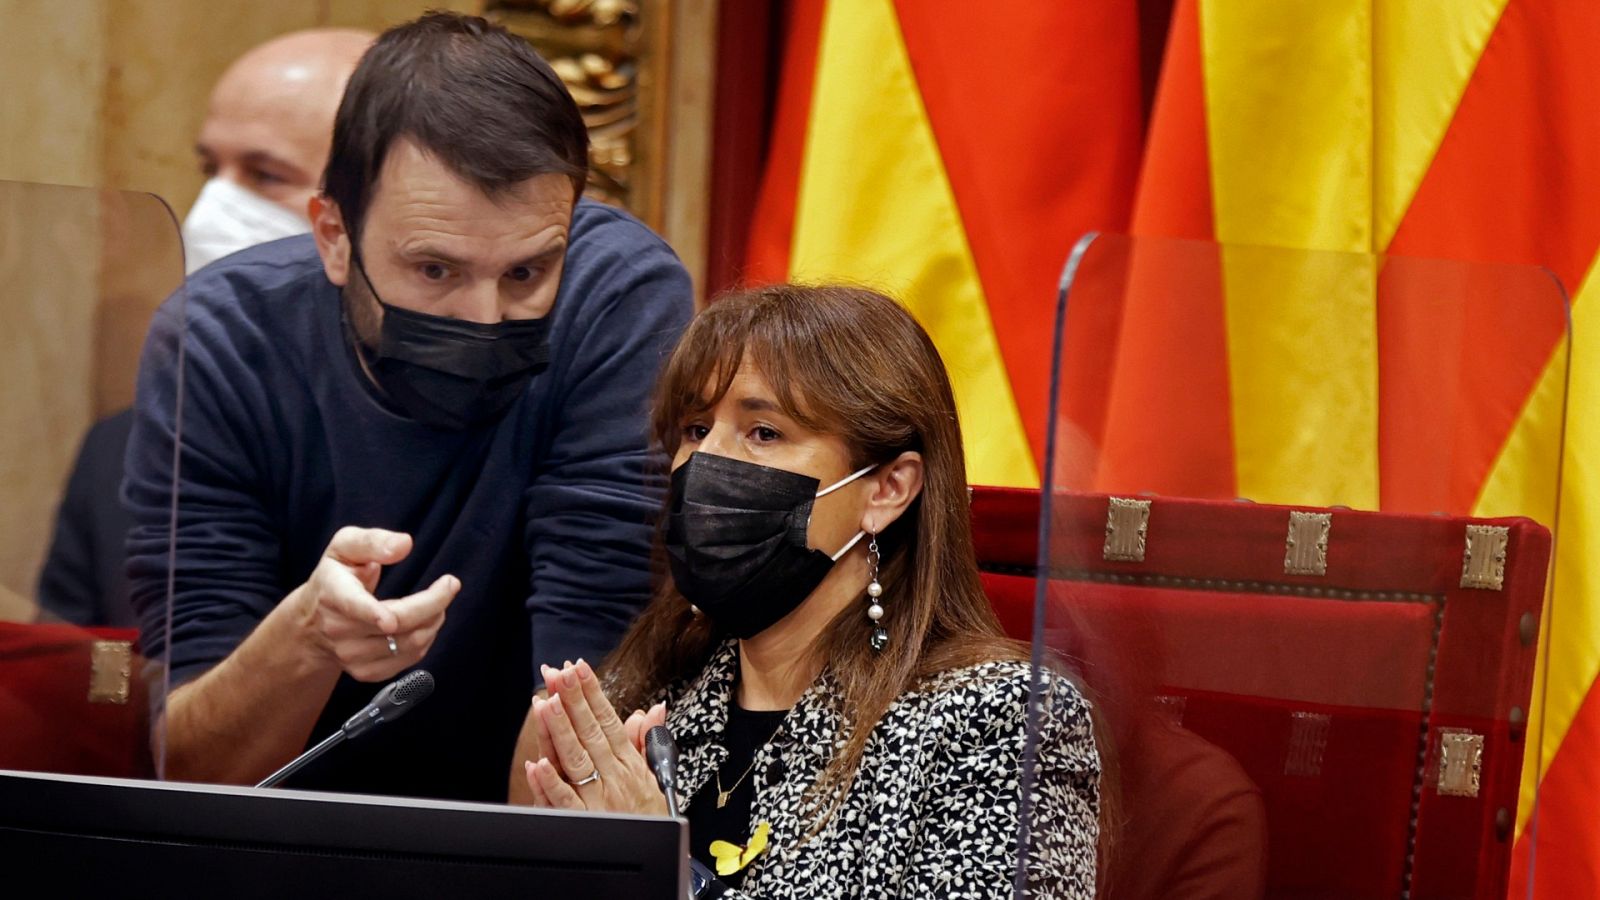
{"type": "Point", "coordinates": [1283, 735]}
{"type": "Point", "coordinates": [72, 701]}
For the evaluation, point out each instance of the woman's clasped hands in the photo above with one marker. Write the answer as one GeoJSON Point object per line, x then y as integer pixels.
{"type": "Point", "coordinates": [592, 760]}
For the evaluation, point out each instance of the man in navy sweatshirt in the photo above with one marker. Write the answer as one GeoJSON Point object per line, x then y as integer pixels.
{"type": "Point", "coordinates": [416, 437]}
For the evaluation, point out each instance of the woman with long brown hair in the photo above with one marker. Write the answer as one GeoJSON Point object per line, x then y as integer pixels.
{"type": "Point", "coordinates": [850, 719]}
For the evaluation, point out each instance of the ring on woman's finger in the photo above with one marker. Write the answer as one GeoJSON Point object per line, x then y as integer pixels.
{"type": "Point", "coordinates": [394, 649]}
{"type": "Point", "coordinates": [593, 777]}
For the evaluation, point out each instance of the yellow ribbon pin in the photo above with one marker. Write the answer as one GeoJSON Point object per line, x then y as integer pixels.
{"type": "Point", "coordinates": [732, 857]}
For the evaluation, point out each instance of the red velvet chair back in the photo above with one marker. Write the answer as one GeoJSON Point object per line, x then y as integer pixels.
{"type": "Point", "coordinates": [1350, 733]}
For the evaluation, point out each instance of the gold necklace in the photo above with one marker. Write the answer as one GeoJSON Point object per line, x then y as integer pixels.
{"type": "Point", "coordinates": [723, 795]}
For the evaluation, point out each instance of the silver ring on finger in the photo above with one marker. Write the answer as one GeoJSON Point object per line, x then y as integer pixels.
{"type": "Point", "coordinates": [593, 777]}
{"type": "Point", "coordinates": [394, 649]}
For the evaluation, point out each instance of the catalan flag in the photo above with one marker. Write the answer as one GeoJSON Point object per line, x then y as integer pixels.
{"type": "Point", "coordinates": [950, 154]}
{"type": "Point", "coordinates": [1465, 130]}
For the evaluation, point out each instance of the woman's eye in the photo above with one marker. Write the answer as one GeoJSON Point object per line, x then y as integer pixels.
{"type": "Point", "coordinates": [763, 434]}
{"type": "Point", "coordinates": [265, 179]}
{"type": "Point", "coordinates": [695, 433]}
{"type": "Point", "coordinates": [433, 271]}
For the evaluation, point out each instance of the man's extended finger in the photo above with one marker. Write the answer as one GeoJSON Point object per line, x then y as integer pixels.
{"type": "Point", "coordinates": [357, 546]}
{"type": "Point", "coordinates": [429, 630]}
{"type": "Point", "coordinates": [339, 591]}
{"type": "Point", "coordinates": [367, 574]}
{"type": "Point", "coordinates": [372, 651]}
{"type": "Point", "coordinates": [415, 610]}
{"type": "Point", "coordinates": [381, 668]}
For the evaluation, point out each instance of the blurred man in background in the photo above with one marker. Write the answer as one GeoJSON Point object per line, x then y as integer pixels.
{"type": "Point", "coordinates": [262, 148]}
{"type": "Point", "coordinates": [265, 141]}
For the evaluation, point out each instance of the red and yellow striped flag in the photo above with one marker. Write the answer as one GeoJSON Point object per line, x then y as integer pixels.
{"type": "Point", "coordinates": [952, 158]}
{"type": "Point", "coordinates": [1466, 130]}
{"type": "Point", "coordinates": [950, 155]}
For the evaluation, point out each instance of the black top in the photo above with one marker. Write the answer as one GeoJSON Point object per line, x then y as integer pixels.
{"type": "Point", "coordinates": [747, 732]}
{"type": "Point", "coordinates": [544, 514]}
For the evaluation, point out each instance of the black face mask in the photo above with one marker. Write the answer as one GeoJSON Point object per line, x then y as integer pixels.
{"type": "Point", "coordinates": [453, 374]}
{"type": "Point", "coordinates": [736, 540]}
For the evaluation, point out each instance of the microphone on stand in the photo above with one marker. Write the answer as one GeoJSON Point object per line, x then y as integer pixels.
{"type": "Point", "coordinates": [395, 700]}
{"type": "Point", "coordinates": [661, 752]}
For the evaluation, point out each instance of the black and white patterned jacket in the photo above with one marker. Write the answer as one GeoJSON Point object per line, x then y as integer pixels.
{"type": "Point", "coordinates": [933, 811]}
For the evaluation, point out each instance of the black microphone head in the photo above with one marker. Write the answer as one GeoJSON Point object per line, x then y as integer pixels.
{"type": "Point", "coordinates": [659, 747]}
{"type": "Point", "coordinates": [410, 689]}
{"type": "Point", "coordinates": [404, 692]}
{"type": "Point", "coordinates": [394, 701]}
{"type": "Point", "coordinates": [661, 752]}
{"type": "Point", "coordinates": [400, 695]}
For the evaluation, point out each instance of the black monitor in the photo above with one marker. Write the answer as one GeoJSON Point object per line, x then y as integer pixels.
{"type": "Point", "coordinates": [111, 837]}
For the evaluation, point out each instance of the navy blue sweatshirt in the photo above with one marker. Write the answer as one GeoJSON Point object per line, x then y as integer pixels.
{"type": "Point", "coordinates": [545, 514]}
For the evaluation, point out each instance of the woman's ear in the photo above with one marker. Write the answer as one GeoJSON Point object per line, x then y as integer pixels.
{"type": "Point", "coordinates": [895, 485]}
{"type": "Point", "coordinates": [333, 241]}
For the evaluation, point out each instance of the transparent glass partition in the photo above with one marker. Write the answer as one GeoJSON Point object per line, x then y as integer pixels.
{"type": "Point", "coordinates": [85, 271]}
{"type": "Point", "coordinates": [1298, 512]}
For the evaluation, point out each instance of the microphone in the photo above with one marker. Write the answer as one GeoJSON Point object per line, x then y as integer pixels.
{"type": "Point", "coordinates": [661, 752]}
{"type": "Point", "coordinates": [395, 700]}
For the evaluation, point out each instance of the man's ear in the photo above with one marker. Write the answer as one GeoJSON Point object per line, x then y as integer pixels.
{"type": "Point", "coordinates": [895, 485]}
{"type": "Point", "coordinates": [333, 241]}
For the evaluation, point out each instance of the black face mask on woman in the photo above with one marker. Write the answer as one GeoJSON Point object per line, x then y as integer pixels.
{"type": "Point", "coordinates": [453, 374]}
{"type": "Point", "coordinates": [736, 540]}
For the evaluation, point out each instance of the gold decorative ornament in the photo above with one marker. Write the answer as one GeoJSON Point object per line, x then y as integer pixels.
{"type": "Point", "coordinates": [1308, 741]}
{"type": "Point", "coordinates": [1483, 565]}
{"type": "Point", "coordinates": [1306, 548]}
{"type": "Point", "coordinates": [110, 671]}
{"type": "Point", "coordinates": [1460, 762]}
{"type": "Point", "coordinates": [1127, 524]}
{"type": "Point", "coordinates": [611, 56]}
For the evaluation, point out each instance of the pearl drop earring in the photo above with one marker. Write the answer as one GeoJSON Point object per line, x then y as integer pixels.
{"type": "Point", "coordinates": [880, 635]}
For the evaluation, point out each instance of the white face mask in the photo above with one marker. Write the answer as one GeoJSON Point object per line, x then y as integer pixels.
{"type": "Point", "coordinates": [226, 218]}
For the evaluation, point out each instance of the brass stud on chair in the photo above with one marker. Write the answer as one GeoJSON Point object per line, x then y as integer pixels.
{"type": "Point", "coordinates": [110, 669]}
{"type": "Point", "coordinates": [1306, 548]}
{"type": "Point", "coordinates": [1483, 565]}
{"type": "Point", "coordinates": [1308, 741]}
{"type": "Point", "coordinates": [1460, 762]}
{"type": "Point", "coordinates": [1127, 522]}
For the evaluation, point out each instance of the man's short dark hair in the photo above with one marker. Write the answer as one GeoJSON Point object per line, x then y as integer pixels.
{"type": "Point", "coordinates": [469, 93]}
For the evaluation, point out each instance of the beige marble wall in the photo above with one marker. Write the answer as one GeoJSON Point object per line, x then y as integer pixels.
{"type": "Point", "coordinates": [165, 57]}
{"type": "Point", "coordinates": [52, 66]}
{"type": "Point", "coordinates": [102, 93]}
